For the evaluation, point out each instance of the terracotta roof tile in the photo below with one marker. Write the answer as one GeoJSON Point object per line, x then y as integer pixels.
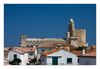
{"type": "Point", "coordinates": [22, 50]}
{"type": "Point", "coordinates": [46, 46]}
{"type": "Point", "coordinates": [78, 53]}
{"type": "Point", "coordinates": [90, 54]}
{"type": "Point", "coordinates": [45, 53]}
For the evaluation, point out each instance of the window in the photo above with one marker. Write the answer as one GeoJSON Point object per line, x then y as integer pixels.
{"type": "Point", "coordinates": [69, 60]}
{"type": "Point", "coordinates": [43, 50]}
{"type": "Point", "coordinates": [31, 53]}
{"type": "Point", "coordinates": [27, 45]}
{"type": "Point", "coordinates": [54, 60]}
{"type": "Point", "coordinates": [15, 56]}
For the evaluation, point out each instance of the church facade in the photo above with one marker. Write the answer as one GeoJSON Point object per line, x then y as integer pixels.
{"type": "Point", "coordinates": [75, 37]}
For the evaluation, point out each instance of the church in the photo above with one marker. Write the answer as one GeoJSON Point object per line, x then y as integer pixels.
{"type": "Point", "coordinates": [74, 37]}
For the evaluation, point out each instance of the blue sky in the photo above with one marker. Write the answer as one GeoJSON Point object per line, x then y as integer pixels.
{"type": "Point", "coordinates": [47, 20]}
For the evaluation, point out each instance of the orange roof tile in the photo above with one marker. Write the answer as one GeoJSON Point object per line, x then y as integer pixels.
{"type": "Point", "coordinates": [90, 54]}
{"type": "Point", "coordinates": [78, 53]}
{"type": "Point", "coordinates": [46, 46]}
{"type": "Point", "coordinates": [22, 50]}
{"type": "Point", "coordinates": [45, 53]}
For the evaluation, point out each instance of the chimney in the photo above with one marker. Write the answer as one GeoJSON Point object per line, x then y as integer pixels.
{"type": "Point", "coordinates": [34, 46]}
{"type": "Point", "coordinates": [83, 51]}
{"type": "Point", "coordinates": [59, 45]}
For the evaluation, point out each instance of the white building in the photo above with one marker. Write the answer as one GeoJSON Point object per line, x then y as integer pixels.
{"type": "Point", "coordinates": [59, 57]}
{"type": "Point", "coordinates": [22, 53]}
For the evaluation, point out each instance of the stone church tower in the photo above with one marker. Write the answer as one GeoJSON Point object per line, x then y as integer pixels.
{"type": "Point", "coordinates": [76, 37]}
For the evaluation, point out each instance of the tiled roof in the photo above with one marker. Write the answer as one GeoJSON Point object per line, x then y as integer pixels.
{"type": "Point", "coordinates": [78, 53]}
{"type": "Point", "coordinates": [22, 50]}
{"type": "Point", "coordinates": [52, 44]}
{"type": "Point", "coordinates": [45, 46]}
{"type": "Point", "coordinates": [91, 54]}
{"type": "Point", "coordinates": [88, 53]}
{"type": "Point", "coordinates": [45, 53]}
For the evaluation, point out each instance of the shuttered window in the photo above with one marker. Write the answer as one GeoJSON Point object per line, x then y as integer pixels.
{"type": "Point", "coordinates": [69, 60]}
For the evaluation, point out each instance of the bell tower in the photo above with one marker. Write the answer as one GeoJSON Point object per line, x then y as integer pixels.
{"type": "Point", "coordinates": [71, 34]}
{"type": "Point", "coordinates": [71, 28]}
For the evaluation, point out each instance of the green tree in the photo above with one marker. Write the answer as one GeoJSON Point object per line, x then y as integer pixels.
{"type": "Point", "coordinates": [16, 61]}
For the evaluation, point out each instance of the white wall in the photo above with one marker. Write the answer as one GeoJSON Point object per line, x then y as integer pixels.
{"type": "Point", "coordinates": [49, 61]}
{"type": "Point", "coordinates": [63, 59]}
{"type": "Point", "coordinates": [11, 55]}
{"type": "Point", "coordinates": [23, 57]}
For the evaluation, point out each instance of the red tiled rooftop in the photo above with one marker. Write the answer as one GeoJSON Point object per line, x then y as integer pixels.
{"type": "Point", "coordinates": [52, 44]}
{"type": "Point", "coordinates": [88, 53]}
{"type": "Point", "coordinates": [45, 46]}
{"type": "Point", "coordinates": [45, 53]}
{"type": "Point", "coordinates": [78, 53]}
{"type": "Point", "coordinates": [23, 50]}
